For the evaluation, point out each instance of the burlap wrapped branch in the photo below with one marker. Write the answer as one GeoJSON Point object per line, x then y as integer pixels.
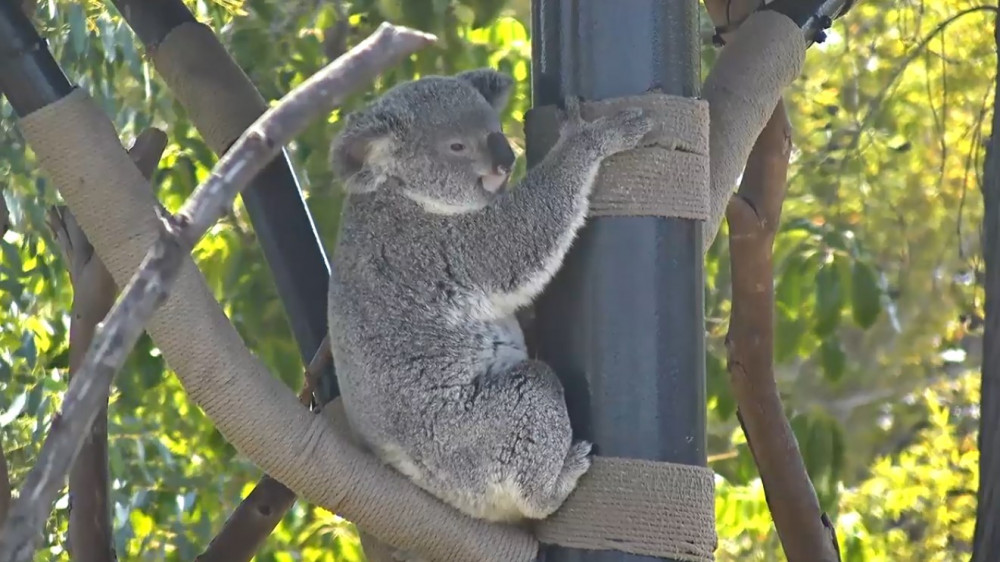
{"type": "Point", "coordinates": [643, 507]}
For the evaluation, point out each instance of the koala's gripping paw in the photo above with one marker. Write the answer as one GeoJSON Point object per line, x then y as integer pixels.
{"type": "Point", "coordinates": [577, 464]}
{"type": "Point", "coordinates": [572, 119]}
{"type": "Point", "coordinates": [621, 131]}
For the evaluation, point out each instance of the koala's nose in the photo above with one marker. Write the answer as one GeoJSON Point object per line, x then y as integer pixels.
{"type": "Point", "coordinates": [501, 154]}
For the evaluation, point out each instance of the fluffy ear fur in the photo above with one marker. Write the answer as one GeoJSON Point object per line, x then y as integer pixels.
{"type": "Point", "coordinates": [493, 85]}
{"type": "Point", "coordinates": [363, 135]}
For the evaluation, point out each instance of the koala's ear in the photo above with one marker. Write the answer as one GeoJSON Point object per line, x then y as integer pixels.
{"type": "Point", "coordinates": [365, 135]}
{"type": "Point", "coordinates": [493, 85]}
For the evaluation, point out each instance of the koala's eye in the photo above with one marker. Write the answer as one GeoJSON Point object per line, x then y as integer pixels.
{"type": "Point", "coordinates": [457, 147]}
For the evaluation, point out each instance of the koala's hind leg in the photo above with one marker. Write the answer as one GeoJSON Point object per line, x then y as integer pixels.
{"type": "Point", "coordinates": [539, 462]}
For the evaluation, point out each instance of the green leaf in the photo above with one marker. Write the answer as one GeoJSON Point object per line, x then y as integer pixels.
{"type": "Point", "coordinates": [790, 284]}
{"type": "Point", "coordinates": [839, 449]}
{"type": "Point", "coordinates": [832, 358]}
{"type": "Point", "coordinates": [33, 407]}
{"type": "Point", "coordinates": [11, 258]}
{"type": "Point", "coordinates": [829, 299]}
{"type": "Point", "coordinates": [78, 28]}
{"type": "Point", "coordinates": [818, 455]}
{"type": "Point", "coordinates": [27, 349]}
{"type": "Point", "coordinates": [719, 387]}
{"type": "Point", "coordinates": [866, 303]}
{"type": "Point", "coordinates": [788, 333]}
{"type": "Point", "coordinates": [11, 286]}
{"type": "Point", "coordinates": [60, 360]}
{"type": "Point", "coordinates": [11, 412]}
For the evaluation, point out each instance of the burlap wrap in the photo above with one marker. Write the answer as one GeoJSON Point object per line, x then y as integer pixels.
{"type": "Point", "coordinates": [667, 176]}
{"type": "Point", "coordinates": [642, 507]}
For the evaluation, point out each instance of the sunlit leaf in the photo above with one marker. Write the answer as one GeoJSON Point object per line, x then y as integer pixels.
{"type": "Point", "coordinates": [829, 299]}
{"type": "Point", "coordinates": [865, 295]}
{"type": "Point", "coordinates": [833, 359]}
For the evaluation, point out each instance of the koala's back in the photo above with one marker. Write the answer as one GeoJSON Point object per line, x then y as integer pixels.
{"type": "Point", "coordinates": [406, 343]}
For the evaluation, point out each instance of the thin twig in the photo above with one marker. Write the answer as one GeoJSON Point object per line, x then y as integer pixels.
{"type": "Point", "coordinates": [753, 216]}
{"type": "Point", "coordinates": [149, 287]}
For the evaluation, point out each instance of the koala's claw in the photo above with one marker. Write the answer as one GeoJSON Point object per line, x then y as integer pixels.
{"type": "Point", "coordinates": [572, 109]}
{"type": "Point", "coordinates": [621, 131]}
{"type": "Point", "coordinates": [634, 124]}
{"type": "Point", "coordinates": [572, 119]}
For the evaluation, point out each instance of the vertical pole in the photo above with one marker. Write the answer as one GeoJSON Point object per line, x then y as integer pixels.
{"type": "Point", "coordinates": [274, 203]}
{"type": "Point", "coordinates": [623, 322]}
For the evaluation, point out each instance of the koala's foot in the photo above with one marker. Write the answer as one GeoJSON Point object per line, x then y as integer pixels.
{"type": "Point", "coordinates": [507, 451]}
{"type": "Point", "coordinates": [545, 464]}
{"type": "Point", "coordinates": [577, 464]}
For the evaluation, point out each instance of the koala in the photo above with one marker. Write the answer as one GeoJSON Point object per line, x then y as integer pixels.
{"type": "Point", "coordinates": [435, 255]}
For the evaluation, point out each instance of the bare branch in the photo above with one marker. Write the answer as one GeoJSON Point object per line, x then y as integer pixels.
{"type": "Point", "coordinates": [4, 215]}
{"type": "Point", "coordinates": [986, 540]}
{"type": "Point", "coordinates": [259, 513]}
{"type": "Point", "coordinates": [149, 287]}
{"type": "Point", "coordinates": [4, 486]}
{"type": "Point", "coordinates": [753, 215]}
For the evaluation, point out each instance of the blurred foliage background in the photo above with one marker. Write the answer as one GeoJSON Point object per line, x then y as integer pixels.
{"type": "Point", "coordinates": [879, 294]}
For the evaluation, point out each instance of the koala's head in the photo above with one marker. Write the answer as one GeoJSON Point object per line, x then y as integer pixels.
{"type": "Point", "coordinates": [439, 136]}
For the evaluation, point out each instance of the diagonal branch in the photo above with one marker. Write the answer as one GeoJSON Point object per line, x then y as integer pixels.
{"type": "Point", "coordinates": [161, 266]}
{"type": "Point", "coordinates": [753, 215]}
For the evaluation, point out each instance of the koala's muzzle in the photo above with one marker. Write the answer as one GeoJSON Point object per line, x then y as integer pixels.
{"type": "Point", "coordinates": [501, 154]}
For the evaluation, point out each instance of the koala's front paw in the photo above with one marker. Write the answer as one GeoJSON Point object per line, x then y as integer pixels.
{"type": "Point", "coordinates": [572, 120]}
{"type": "Point", "coordinates": [621, 131]}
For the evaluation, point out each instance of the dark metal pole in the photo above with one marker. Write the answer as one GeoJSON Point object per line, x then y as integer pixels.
{"type": "Point", "coordinates": [30, 79]}
{"type": "Point", "coordinates": [623, 322]}
{"type": "Point", "coordinates": [274, 203]}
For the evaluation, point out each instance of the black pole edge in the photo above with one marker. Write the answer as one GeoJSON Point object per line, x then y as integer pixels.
{"type": "Point", "coordinates": [814, 17]}
{"type": "Point", "coordinates": [152, 20]}
{"type": "Point", "coordinates": [30, 78]}
{"type": "Point", "coordinates": [277, 211]}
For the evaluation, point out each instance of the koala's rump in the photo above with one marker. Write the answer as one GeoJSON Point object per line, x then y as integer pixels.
{"type": "Point", "coordinates": [441, 406]}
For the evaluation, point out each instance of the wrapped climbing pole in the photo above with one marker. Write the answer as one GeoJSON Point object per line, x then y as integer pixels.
{"type": "Point", "coordinates": [622, 324]}
{"type": "Point", "coordinates": [221, 102]}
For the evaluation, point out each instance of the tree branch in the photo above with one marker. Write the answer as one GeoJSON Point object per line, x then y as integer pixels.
{"type": "Point", "coordinates": [986, 540]}
{"type": "Point", "coordinates": [4, 486]}
{"type": "Point", "coordinates": [149, 287]}
{"type": "Point", "coordinates": [4, 215]}
{"type": "Point", "coordinates": [258, 514]}
{"type": "Point", "coordinates": [90, 529]}
{"type": "Point", "coordinates": [753, 216]}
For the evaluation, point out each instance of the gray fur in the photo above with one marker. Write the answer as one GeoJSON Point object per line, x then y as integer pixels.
{"type": "Point", "coordinates": [430, 267]}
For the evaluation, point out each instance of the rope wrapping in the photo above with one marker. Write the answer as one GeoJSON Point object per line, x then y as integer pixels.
{"type": "Point", "coordinates": [642, 507]}
{"type": "Point", "coordinates": [667, 176]}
